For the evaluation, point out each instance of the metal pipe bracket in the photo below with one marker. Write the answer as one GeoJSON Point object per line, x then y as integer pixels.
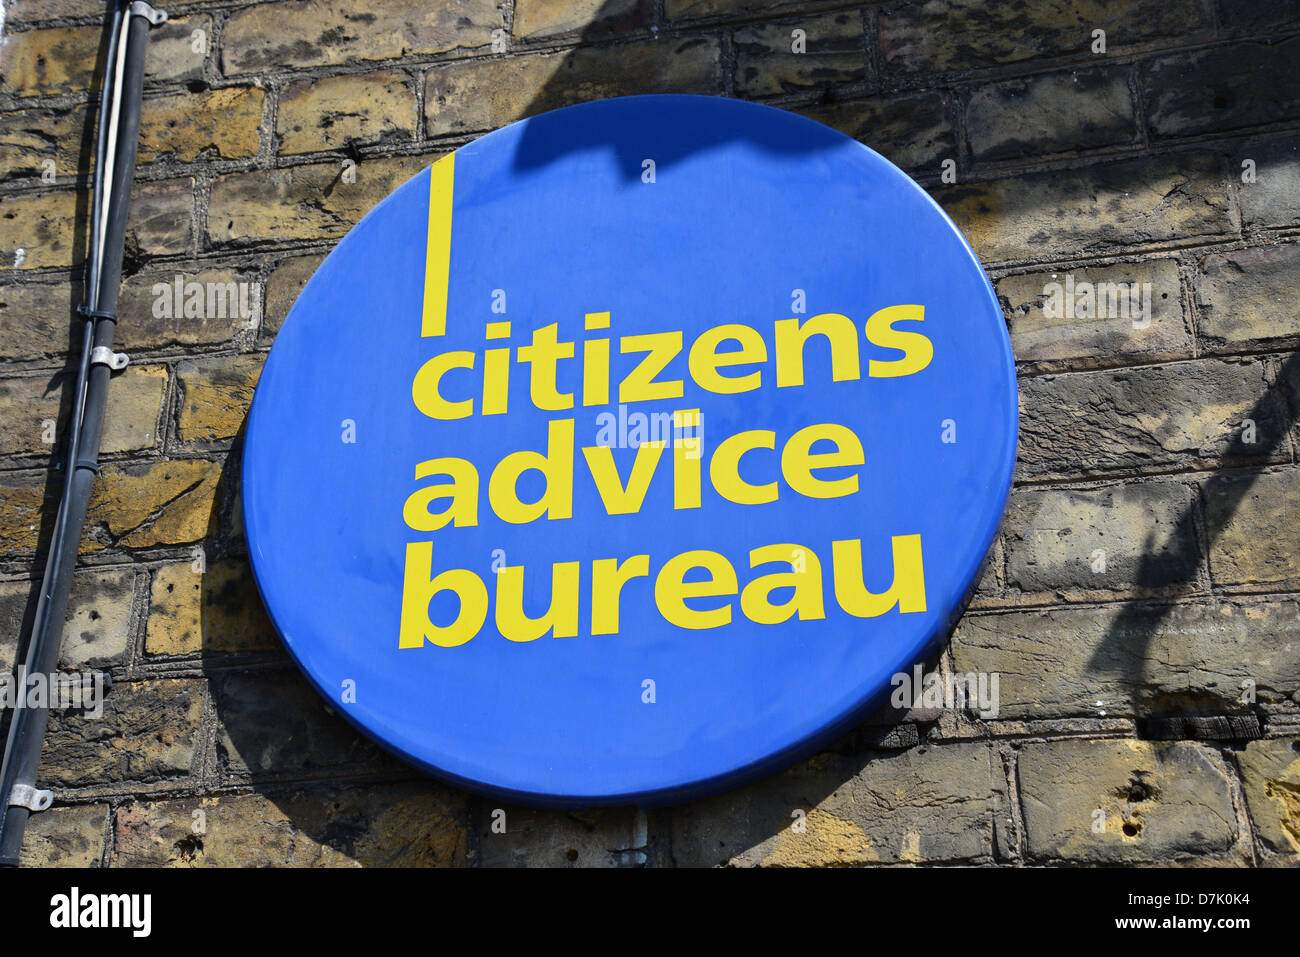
{"type": "Point", "coordinates": [139, 8]}
{"type": "Point", "coordinates": [104, 356]}
{"type": "Point", "coordinates": [34, 799]}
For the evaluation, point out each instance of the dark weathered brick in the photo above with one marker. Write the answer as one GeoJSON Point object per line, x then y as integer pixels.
{"type": "Point", "coordinates": [1051, 113]}
{"type": "Point", "coordinates": [304, 33]}
{"type": "Point", "coordinates": [1121, 660]}
{"type": "Point", "coordinates": [97, 632]}
{"type": "Point", "coordinates": [1189, 727]}
{"type": "Point", "coordinates": [38, 11]}
{"type": "Point", "coordinates": [962, 34]}
{"type": "Point", "coordinates": [1157, 802]}
{"type": "Point", "coordinates": [535, 19]}
{"type": "Point", "coordinates": [162, 217]}
{"type": "Point", "coordinates": [171, 56]}
{"type": "Point", "coordinates": [1179, 414]}
{"type": "Point", "coordinates": [1137, 539]}
{"type": "Point", "coordinates": [833, 51]}
{"type": "Point", "coordinates": [43, 143]}
{"type": "Point", "coordinates": [1250, 295]}
{"type": "Point", "coordinates": [1260, 15]}
{"type": "Point", "coordinates": [303, 202]}
{"type": "Point", "coordinates": [37, 320]}
{"type": "Point", "coordinates": [1289, 380]}
{"type": "Point", "coordinates": [282, 289]}
{"type": "Point", "coordinates": [1112, 205]}
{"type": "Point", "coordinates": [927, 805]}
{"type": "Point", "coordinates": [33, 406]}
{"type": "Point", "coordinates": [1273, 197]}
{"type": "Point", "coordinates": [1045, 332]}
{"type": "Point", "coordinates": [482, 94]}
{"type": "Point", "coordinates": [698, 9]}
{"type": "Point", "coordinates": [65, 837]}
{"type": "Point", "coordinates": [914, 132]}
{"type": "Point", "coordinates": [1222, 88]}
{"type": "Point", "coordinates": [394, 825]}
{"type": "Point", "coordinates": [520, 837]}
{"type": "Point", "coordinates": [273, 722]}
{"type": "Point", "coordinates": [149, 731]}
{"type": "Point", "coordinates": [207, 310]}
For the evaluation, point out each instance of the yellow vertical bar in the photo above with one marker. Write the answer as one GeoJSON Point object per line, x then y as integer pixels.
{"type": "Point", "coordinates": [437, 263]}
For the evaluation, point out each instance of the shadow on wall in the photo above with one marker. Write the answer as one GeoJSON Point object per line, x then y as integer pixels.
{"type": "Point", "coordinates": [323, 787]}
{"type": "Point", "coordinates": [337, 798]}
{"type": "Point", "coordinates": [1129, 637]}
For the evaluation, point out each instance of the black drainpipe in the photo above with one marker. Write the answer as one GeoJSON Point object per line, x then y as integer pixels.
{"type": "Point", "coordinates": [119, 130]}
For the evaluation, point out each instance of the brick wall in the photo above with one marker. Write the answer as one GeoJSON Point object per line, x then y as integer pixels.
{"type": "Point", "coordinates": [1171, 448]}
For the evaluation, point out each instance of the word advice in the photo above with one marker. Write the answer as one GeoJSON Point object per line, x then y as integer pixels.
{"type": "Point", "coordinates": [452, 498]}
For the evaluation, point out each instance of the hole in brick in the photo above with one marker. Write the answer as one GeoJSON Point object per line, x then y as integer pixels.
{"type": "Point", "coordinates": [571, 853]}
{"type": "Point", "coordinates": [1139, 791]}
{"type": "Point", "coordinates": [188, 848]}
{"type": "Point", "coordinates": [196, 86]}
{"type": "Point", "coordinates": [1131, 830]}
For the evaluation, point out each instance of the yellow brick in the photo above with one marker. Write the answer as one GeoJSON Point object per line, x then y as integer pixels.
{"type": "Point", "coordinates": [49, 61]}
{"type": "Point", "coordinates": [217, 394]}
{"type": "Point", "coordinates": [331, 113]}
{"type": "Point", "coordinates": [214, 610]}
{"type": "Point", "coordinates": [220, 123]}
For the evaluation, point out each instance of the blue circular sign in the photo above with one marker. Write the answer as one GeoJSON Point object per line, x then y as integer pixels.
{"type": "Point", "coordinates": [628, 453]}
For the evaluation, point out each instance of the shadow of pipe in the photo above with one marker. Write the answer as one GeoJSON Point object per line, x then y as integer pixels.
{"type": "Point", "coordinates": [1129, 637]}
